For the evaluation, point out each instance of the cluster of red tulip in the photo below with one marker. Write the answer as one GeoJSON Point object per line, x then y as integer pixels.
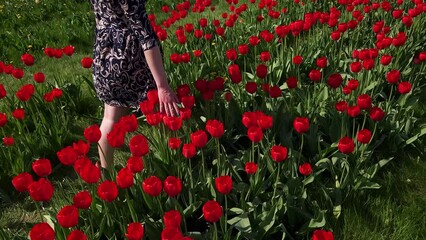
{"type": "Point", "coordinates": [353, 102]}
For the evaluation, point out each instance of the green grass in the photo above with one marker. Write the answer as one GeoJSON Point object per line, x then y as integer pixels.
{"type": "Point", "coordinates": [397, 211]}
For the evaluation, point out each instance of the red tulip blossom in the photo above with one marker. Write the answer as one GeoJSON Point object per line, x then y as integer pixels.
{"type": "Point", "coordinates": [107, 191]}
{"type": "Point", "coordinates": [82, 200]}
{"type": "Point", "coordinates": [212, 211]}
{"type": "Point", "coordinates": [42, 231]}
{"type": "Point", "coordinates": [305, 169]}
{"type": "Point", "coordinates": [135, 231]}
{"type": "Point", "coordinates": [68, 216]}
{"type": "Point", "coordinates": [172, 186]}
{"type": "Point", "coordinates": [152, 186]}
{"type": "Point", "coordinates": [41, 190]}
{"type": "Point", "coordinates": [364, 136]}
{"type": "Point", "coordinates": [301, 124]}
{"type": "Point", "coordinates": [346, 145]}
{"type": "Point", "coordinates": [223, 184]}
{"type": "Point", "coordinates": [22, 181]}
{"type": "Point", "coordinates": [278, 153]}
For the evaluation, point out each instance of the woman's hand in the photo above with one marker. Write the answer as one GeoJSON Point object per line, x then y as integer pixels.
{"type": "Point", "coordinates": [168, 101]}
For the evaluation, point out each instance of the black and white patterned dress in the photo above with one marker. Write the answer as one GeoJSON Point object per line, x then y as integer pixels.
{"type": "Point", "coordinates": [123, 32]}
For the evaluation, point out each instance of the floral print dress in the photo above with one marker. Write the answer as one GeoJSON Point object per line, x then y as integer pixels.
{"type": "Point", "coordinates": [123, 32]}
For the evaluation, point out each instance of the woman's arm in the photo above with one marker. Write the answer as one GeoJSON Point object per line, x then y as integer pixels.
{"type": "Point", "coordinates": [167, 98]}
{"type": "Point", "coordinates": [134, 11]}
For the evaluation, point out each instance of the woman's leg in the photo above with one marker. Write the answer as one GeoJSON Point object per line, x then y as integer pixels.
{"type": "Point", "coordinates": [111, 116]}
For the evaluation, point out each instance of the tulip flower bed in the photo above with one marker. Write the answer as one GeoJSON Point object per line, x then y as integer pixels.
{"type": "Point", "coordinates": [288, 108]}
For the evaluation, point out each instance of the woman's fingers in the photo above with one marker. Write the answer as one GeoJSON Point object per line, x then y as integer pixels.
{"type": "Point", "coordinates": [175, 106]}
{"type": "Point", "coordinates": [161, 107]}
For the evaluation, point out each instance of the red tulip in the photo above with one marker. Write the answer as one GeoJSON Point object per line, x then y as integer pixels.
{"type": "Point", "coordinates": [341, 106]}
{"type": "Point", "coordinates": [243, 49]}
{"type": "Point", "coordinates": [301, 124]}
{"type": "Point", "coordinates": [87, 62]}
{"type": "Point", "coordinates": [404, 87]}
{"type": "Point", "coordinates": [255, 134]}
{"type": "Point", "coordinates": [68, 50]}
{"type": "Point", "coordinates": [305, 169]}
{"type": "Point", "coordinates": [19, 114]}
{"type": "Point", "coordinates": [251, 87]}
{"type": "Point", "coordinates": [212, 211]}
{"type": "Point", "coordinates": [107, 191]}
{"type": "Point", "coordinates": [261, 71]}
{"type": "Point", "coordinates": [174, 143]}
{"type": "Point", "coordinates": [315, 75]}
{"type": "Point", "coordinates": [129, 122]}
{"type": "Point", "coordinates": [265, 56]}
{"type": "Point", "coordinates": [42, 167]}
{"type": "Point", "coordinates": [322, 62]}
{"type": "Point", "coordinates": [376, 114]}
{"type": "Point", "coordinates": [291, 82]}
{"type": "Point", "coordinates": [346, 145]}
{"type": "Point", "coordinates": [68, 216]}
{"type": "Point", "coordinates": [364, 101]}
{"type": "Point", "coordinates": [231, 54]}
{"type": "Point", "coordinates": [364, 136]}
{"type": "Point", "coordinates": [275, 92]}
{"type": "Point", "coordinates": [77, 235]}
{"type": "Point", "coordinates": [393, 76]}
{"type": "Point", "coordinates": [39, 77]}
{"type": "Point", "coordinates": [355, 67]}
{"type": "Point", "coordinates": [82, 200]}
{"type": "Point", "coordinates": [27, 59]}
{"type": "Point", "coordinates": [172, 186]}
{"type": "Point", "coordinates": [22, 181]}
{"type": "Point", "coordinates": [385, 60]}
{"type": "Point", "coordinates": [335, 80]}
{"type": "Point", "coordinates": [250, 167]}
{"type": "Point", "coordinates": [189, 150]}
{"type": "Point", "coordinates": [173, 123]}
{"type": "Point", "coordinates": [171, 233]}
{"type": "Point", "coordinates": [135, 231]}
{"type": "Point", "coordinates": [8, 141]}
{"type": "Point", "coordinates": [223, 184]}
{"type": "Point", "coordinates": [199, 138]}
{"type": "Point", "coordinates": [297, 60]}
{"type": "Point", "coordinates": [278, 153]}
{"type": "Point", "coordinates": [215, 128]}
{"type": "Point", "coordinates": [172, 218]}
{"type": "Point", "coordinates": [353, 84]}
{"type": "Point", "coordinates": [42, 231]}
{"type": "Point", "coordinates": [90, 173]}
{"type": "Point", "coordinates": [124, 178]}
{"type": "Point", "coordinates": [152, 186]}
{"type": "Point", "coordinates": [41, 190]}
{"type": "Point", "coordinates": [92, 133]}
{"type": "Point", "coordinates": [67, 156]}
{"type": "Point", "coordinates": [139, 145]}
{"type": "Point", "coordinates": [135, 164]}
{"type": "Point", "coordinates": [322, 235]}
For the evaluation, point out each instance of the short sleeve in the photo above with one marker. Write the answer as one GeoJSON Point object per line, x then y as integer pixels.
{"type": "Point", "coordinates": [137, 19]}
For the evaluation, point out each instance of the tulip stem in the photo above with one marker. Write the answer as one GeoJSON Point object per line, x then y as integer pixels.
{"type": "Point", "coordinates": [39, 210]}
{"type": "Point", "coordinates": [226, 216]}
{"type": "Point", "coordinates": [215, 232]}
{"type": "Point", "coordinates": [276, 182]}
{"type": "Point", "coordinates": [252, 151]}
{"type": "Point", "coordinates": [294, 172]}
{"type": "Point", "coordinates": [132, 211]}
{"type": "Point", "coordinates": [203, 171]}
{"type": "Point", "coordinates": [218, 156]}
